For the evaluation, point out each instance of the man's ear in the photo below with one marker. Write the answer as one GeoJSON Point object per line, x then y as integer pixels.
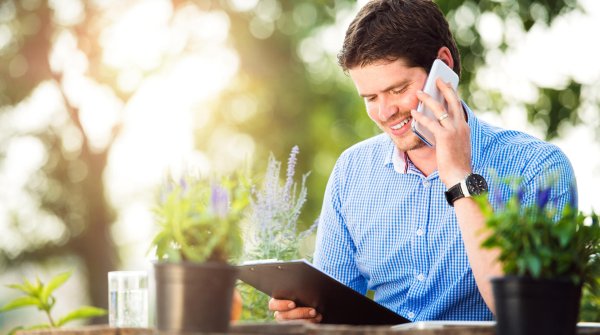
{"type": "Point", "coordinates": [445, 56]}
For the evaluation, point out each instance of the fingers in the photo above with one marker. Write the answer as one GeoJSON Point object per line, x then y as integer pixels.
{"type": "Point", "coordinates": [307, 314]}
{"type": "Point", "coordinates": [286, 310]}
{"type": "Point", "coordinates": [430, 124]}
{"type": "Point", "coordinates": [281, 305]}
{"type": "Point", "coordinates": [454, 104]}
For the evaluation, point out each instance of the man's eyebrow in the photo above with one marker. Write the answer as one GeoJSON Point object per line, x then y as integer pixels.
{"type": "Point", "coordinates": [401, 83]}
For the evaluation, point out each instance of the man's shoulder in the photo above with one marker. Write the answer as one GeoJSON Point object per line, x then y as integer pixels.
{"type": "Point", "coordinates": [376, 144]}
{"type": "Point", "coordinates": [513, 146]}
{"type": "Point", "coordinates": [514, 140]}
{"type": "Point", "coordinates": [365, 154]}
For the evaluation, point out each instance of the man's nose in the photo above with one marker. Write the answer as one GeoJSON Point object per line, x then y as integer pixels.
{"type": "Point", "coordinates": [387, 109]}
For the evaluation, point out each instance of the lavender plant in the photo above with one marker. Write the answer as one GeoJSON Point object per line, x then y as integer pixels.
{"type": "Point", "coordinates": [272, 232]}
{"type": "Point", "coordinates": [274, 212]}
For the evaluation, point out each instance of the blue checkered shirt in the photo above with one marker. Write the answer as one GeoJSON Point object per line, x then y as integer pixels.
{"type": "Point", "coordinates": [386, 227]}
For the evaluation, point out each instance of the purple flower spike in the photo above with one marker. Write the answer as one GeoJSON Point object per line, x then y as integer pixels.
{"type": "Point", "coordinates": [542, 197]}
{"type": "Point", "coordinates": [219, 201]}
{"type": "Point", "coordinates": [291, 169]}
{"type": "Point", "coordinates": [573, 196]}
{"type": "Point", "coordinates": [292, 162]}
{"type": "Point", "coordinates": [498, 201]}
{"type": "Point", "coordinates": [520, 194]}
{"type": "Point", "coordinates": [183, 184]}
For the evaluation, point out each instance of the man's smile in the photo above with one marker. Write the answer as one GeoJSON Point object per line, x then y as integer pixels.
{"type": "Point", "coordinates": [401, 123]}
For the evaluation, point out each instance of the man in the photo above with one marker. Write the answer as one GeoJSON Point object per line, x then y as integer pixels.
{"type": "Point", "coordinates": [394, 219]}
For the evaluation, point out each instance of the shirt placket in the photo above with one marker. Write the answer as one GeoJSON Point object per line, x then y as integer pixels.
{"type": "Point", "coordinates": [419, 243]}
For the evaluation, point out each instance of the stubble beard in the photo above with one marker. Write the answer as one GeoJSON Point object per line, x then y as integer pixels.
{"type": "Point", "coordinates": [408, 142]}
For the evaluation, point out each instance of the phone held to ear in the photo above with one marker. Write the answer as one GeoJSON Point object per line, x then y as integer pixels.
{"type": "Point", "coordinates": [439, 69]}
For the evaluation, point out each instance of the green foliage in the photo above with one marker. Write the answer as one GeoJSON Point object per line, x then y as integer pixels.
{"type": "Point", "coordinates": [541, 241]}
{"type": "Point", "coordinates": [590, 306]}
{"type": "Point", "coordinates": [37, 294]}
{"type": "Point", "coordinates": [199, 218]}
{"type": "Point", "coordinates": [272, 230]}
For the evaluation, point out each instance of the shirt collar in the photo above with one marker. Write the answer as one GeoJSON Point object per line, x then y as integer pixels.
{"type": "Point", "coordinates": [396, 158]}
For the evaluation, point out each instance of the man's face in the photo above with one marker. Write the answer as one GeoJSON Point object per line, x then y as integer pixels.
{"type": "Point", "coordinates": [389, 90]}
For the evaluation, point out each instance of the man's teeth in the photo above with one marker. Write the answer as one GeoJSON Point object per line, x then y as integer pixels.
{"type": "Point", "coordinates": [401, 124]}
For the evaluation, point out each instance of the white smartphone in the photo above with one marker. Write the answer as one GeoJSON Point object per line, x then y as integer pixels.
{"type": "Point", "coordinates": [439, 69]}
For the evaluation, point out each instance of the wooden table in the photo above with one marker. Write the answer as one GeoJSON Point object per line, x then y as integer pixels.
{"type": "Point", "coordinates": [297, 329]}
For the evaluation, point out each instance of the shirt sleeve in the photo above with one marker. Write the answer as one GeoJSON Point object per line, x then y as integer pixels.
{"type": "Point", "coordinates": [552, 170]}
{"type": "Point", "coordinates": [335, 249]}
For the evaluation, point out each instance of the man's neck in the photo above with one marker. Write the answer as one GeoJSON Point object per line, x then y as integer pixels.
{"type": "Point", "coordinates": [423, 159]}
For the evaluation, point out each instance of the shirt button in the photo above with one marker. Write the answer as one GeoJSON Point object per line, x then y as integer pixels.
{"type": "Point", "coordinates": [410, 315]}
{"type": "Point", "coordinates": [420, 232]}
{"type": "Point", "coordinates": [426, 183]}
{"type": "Point", "coordinates": [421, 277]}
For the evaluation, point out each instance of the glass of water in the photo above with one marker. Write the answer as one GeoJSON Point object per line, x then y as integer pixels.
{"type": "Point", "coordinates": [128, 299]}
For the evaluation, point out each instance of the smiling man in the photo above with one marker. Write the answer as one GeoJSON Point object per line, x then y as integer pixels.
{"type": "Point", "coordinates": [398, 216]}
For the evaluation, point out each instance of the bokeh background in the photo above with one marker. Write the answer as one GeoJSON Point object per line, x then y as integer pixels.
{"type": "Point", "coordinates": [98, 98]}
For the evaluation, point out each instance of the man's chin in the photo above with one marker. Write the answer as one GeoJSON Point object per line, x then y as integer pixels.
{"type": "Point", "coordinates": [407, 144]}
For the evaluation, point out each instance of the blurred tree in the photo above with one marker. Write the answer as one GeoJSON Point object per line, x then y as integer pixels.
{"type": "Point", "coordinates": [288, 91]}
{"type": "Point", "coordinates": [70, 185]}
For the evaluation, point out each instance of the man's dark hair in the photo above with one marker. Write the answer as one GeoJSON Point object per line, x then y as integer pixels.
{"type": "Point", "coordinates": [413, 30]}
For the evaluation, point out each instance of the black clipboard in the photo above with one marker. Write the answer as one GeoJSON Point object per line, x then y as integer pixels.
{"type": "Point", "coordinates": [309, 287]}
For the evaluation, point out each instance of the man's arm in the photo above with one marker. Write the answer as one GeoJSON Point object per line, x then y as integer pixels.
{"type": "Point", "coordinates": [482, 261]}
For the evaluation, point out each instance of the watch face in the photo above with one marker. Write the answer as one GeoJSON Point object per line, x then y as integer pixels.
{"type": "Point", "coordinates": [476, 184]}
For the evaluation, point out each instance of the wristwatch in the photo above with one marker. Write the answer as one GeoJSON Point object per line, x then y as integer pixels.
{"type": "Point", "coordinates": [473, 184]}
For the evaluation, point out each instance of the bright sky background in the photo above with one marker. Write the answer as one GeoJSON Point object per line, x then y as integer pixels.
{"type": "Point", "coordinates": [159, 120]}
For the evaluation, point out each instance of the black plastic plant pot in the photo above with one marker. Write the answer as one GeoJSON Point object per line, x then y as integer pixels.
{"type": "Point", "coordinates": [526, 306]}
{"type": "Point", "coordinates": [194, 298]}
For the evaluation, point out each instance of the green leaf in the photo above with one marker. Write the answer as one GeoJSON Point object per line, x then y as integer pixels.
{"type": "Point", "coordinates": [534, 265]}
{"type": "Point", "coordinates": [81, 313]}
{"type": "Point", "coordinates": [20, 287]}
{"type": "Point", "coordinates": [20, 302]}
{"type": "Point", "coordinates": [40, 326]}
{"type": "Point", "coordinates": [33, 289]}
{"type": "Point", "coordinates": [54, 283]}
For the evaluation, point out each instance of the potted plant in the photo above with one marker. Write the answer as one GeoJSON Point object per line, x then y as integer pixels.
{"type": "Point", "coordinates": [547, 255]}
{"type": "Point", "coordinates": [198, 237]}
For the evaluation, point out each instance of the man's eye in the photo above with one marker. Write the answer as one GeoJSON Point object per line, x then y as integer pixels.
{"type": "Point", "coordinates": [400, 91]}
{"type": "Point", "coordinates": [371, 98]}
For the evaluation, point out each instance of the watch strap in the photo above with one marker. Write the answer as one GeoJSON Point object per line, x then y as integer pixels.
{"type": "Point", "coordinates": [456, 192]}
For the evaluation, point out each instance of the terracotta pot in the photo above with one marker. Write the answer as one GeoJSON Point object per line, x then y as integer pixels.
{"type": "Point", "coordinates": [236, 306]}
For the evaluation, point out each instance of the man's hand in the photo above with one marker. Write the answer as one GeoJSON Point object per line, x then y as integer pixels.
{"type": "Point", "coordinates": [452, 134]}
{"type": "Point", "coordinates": [286, 310]}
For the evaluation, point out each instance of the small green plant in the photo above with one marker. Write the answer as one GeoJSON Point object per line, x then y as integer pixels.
{"type": "Point", "coordinates": [540, 240]}
{"type": "Point", "coordinates": [272, 231]}
{"type": "Point", "coordinates": [198, 219]}
{"type": "Point", "coordinates": [38, 294]}
{"type": "Point", "coordinates": [590, 306]}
